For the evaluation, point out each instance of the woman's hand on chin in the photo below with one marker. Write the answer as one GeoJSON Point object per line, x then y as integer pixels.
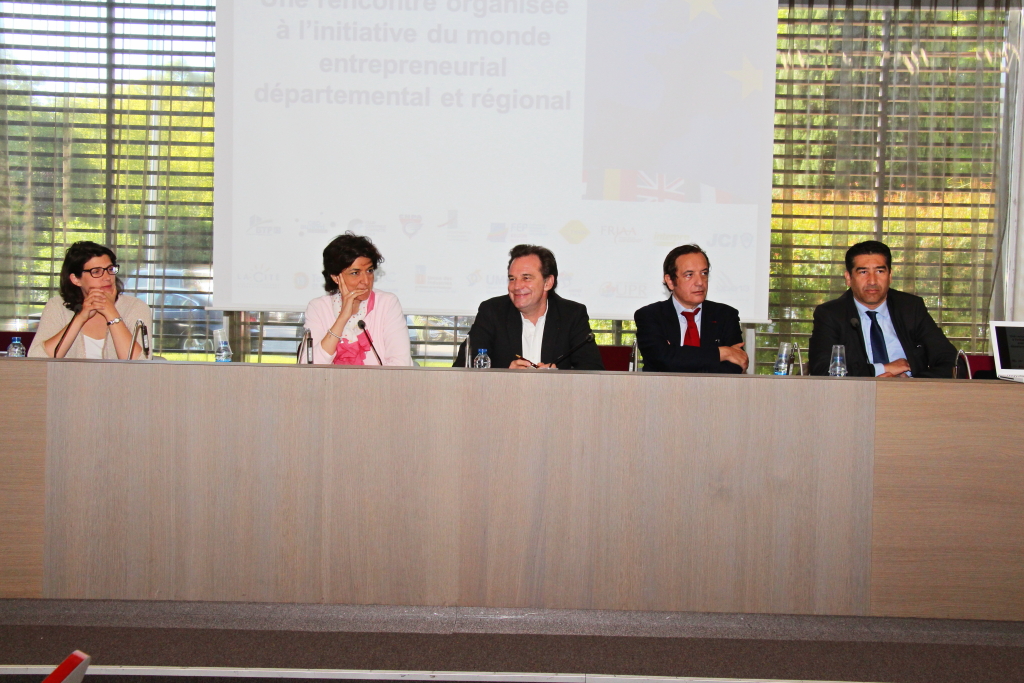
{"type": "Point", "coordinates": [349, 301]}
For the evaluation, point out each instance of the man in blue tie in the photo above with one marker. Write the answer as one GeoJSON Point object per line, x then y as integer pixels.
{"type": "Point", "coordinates": [886, 332]}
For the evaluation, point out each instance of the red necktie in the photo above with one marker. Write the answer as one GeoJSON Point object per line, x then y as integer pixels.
{"type": "Point", "coordinates": [692, 337]}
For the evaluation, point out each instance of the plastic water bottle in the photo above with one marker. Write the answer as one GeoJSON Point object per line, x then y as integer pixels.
{"type": "Point", "coordinates": [17, 349]}
{"type": "Point", "coordinates": [482, 360]}
{"type": "Point", "coordinates": [223, 353]}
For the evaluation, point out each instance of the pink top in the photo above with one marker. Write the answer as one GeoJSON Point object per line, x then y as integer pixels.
{"type": "Point", "coordinates": [354, 352]}
{"type": "Point", "coordinates": [385, 322]}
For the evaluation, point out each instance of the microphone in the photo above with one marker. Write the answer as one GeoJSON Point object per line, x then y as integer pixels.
{"type": "Point", "coordinates": [590, 338]}
{"type": "Point", "coordinates": [362, 326]}
{"type": "Point", "coordinates": [855, 322]}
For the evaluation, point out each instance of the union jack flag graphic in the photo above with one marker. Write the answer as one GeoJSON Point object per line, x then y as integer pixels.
{"type": "Point", "coordinates": [657, 187]}
{"type": "Point", "coordinates": [629, 185]}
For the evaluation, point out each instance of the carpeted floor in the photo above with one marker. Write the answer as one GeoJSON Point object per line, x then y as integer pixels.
{"type": "Point", "coordinates": [443, 639]}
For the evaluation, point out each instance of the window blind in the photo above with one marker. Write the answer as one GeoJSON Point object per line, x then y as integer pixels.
{"type": "Point", "coordinates": [889, 125]}
{"type": "Point", "coordinates": [107, 135]}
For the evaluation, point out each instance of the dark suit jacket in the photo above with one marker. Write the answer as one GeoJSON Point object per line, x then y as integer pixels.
{"type": "Point", "coordinates": [658, 336]}
{"type": "Point", "coordinates": [499, 329]}
{"type": "Point", "coordinates": [836, 322]}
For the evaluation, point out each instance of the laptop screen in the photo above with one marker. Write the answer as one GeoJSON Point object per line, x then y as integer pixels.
{"type": "Point", "coordinates": [1011, 347]}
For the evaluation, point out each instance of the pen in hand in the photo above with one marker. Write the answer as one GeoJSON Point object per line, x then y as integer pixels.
{"type": "Point", "coordinates": [528, 361]}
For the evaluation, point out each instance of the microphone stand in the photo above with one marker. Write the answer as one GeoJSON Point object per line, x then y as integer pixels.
{"type": "Point", "coordinates": [76, 310]}
{"type": "Point", "coordinates": [590, 338]}
{"type": "Point", "coordinates": [362, 326]}
{"type": "Point", "coordinates": [307, 343]}
{"type": "Point", "coordinates": [139, 325]}
{"type": "Point", "coordinates": [67, 328]}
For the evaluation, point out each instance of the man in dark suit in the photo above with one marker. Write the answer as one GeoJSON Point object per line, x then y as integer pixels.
{"type": "Point", "coordinates": [894, 326]}
{"type": "Point", "coordinates": [532, 327]}
{"type": "Point", "coordinates": [686, 332]}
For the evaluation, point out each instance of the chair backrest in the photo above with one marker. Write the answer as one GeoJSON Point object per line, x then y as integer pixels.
{"type": "Point", "coordinates": [615, 357]}
{"type": "Point", "coordinates": [5, 338]}
{"type": "Point", "coordinates": [982, 366]}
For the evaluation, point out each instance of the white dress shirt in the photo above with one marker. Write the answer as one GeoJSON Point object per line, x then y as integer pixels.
{"type": "Point", "coordinates": [682, 319]}
{"type": "Point", "coordinates": [533, 337]}
{"type": "Point", "coordinates": [892, 342]}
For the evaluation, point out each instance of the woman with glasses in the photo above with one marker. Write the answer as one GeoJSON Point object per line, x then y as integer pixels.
{"type": "Point", "coordinates": [353, 324]}
{"type": "Point", "coordinates": [91, 318]}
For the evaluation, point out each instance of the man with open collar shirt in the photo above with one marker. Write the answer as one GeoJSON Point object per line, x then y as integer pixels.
{"type": "Point", "coordinates": [886, 332]}
{"type": "Point", "coordinates": [533, 327]}
{"type": "Point", "coordinates": [686, 332]}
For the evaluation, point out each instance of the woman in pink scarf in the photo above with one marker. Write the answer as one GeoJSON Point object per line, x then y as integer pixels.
{"type": "Point", "coordinates": [349, 265]}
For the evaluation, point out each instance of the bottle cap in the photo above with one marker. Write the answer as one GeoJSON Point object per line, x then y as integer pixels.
{"type": "Point", "coordinates": [15, 340]}
{"type": "Point", "coordinates": [479, 351]}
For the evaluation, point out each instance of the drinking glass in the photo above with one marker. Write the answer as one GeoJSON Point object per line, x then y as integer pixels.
{"type": "Point", "coordinates": [837, 366]}
{"type": "Point", "coordinates": [195, 349]}
{"type": "Point", "coordinates": [784, 361]}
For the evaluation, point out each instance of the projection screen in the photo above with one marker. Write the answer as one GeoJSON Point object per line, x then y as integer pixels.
{"type": "Point", "coordinates": [448, 131]}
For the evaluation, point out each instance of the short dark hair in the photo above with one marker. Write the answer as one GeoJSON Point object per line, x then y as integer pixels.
{"type": "Point", "coordinates": [669, 266]}
{"type": "Point", "coordinates": [75, 258]}
{"type": "Point", "coordinates": [868, 247]}
{"type": "Point", "coordinates": [342, 253]}
{"type": "Point", "coordinates": [548, 266]}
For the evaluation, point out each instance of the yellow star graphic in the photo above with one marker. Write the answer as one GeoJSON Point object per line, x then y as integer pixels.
{"type": "Point", "coordinates": [749, 77]}
{"type": "Point", "coordinates": [698, 6]}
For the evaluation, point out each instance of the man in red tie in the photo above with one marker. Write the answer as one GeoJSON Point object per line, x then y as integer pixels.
{"type": "Point", "coordinates": [686, 332]}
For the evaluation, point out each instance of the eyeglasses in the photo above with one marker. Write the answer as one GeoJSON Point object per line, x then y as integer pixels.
{"type": "Point", "coordinates": [98, 272]}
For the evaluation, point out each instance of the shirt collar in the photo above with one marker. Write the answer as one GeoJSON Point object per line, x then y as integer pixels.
{"type": "Point", "coordinates": [680, 308]}
{"type": "Point", "coordinates": [882, 311]}
{"type": "Point", "coordinates": [540, 320]}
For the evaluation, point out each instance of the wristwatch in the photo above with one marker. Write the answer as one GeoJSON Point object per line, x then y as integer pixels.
{"type": "Point", "coordinates": [113, 322]}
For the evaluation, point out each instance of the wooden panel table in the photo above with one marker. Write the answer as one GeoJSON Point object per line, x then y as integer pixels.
{"type": "Point", "coordinates": [412, 486]}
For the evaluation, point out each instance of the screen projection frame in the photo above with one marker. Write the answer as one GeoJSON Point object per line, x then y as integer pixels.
{"type": "Point", "coordinates": [492, 259]}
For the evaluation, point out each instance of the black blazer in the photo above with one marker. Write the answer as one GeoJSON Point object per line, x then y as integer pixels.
{"type": "Point", "coordinates": [499, 329]}
{"type": "Point", "coordinates": [837, 322]}
{"type": "Point", "coordinates": [658, 336]}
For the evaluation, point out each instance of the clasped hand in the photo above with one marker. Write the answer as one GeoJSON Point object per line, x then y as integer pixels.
{"type": "Point", "coordinates": [99, 301]}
